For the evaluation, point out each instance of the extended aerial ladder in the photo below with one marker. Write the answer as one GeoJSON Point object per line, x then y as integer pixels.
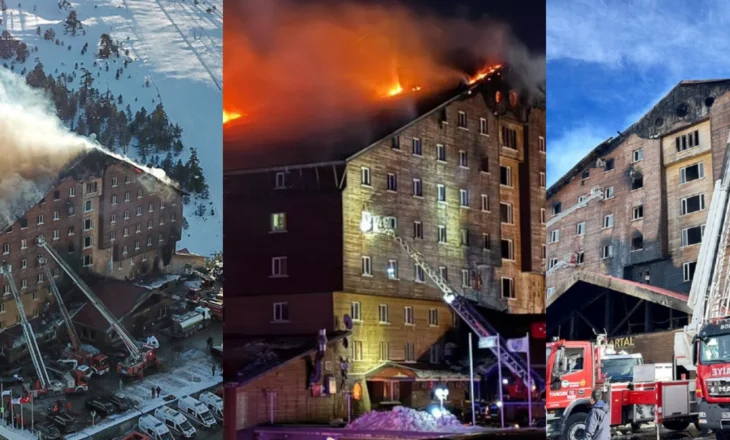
{"type": "Point", "coordinates": [461, 306]}
{"type": "Point", "coordinates": [85, 354]}
{"type": "Point", "coordinates": [596, 193]}
{"type": "Point", "coordinates": [35, 352]}
{"type": "Point", "coordinates": [706, 299]}
{"type": "Point", "coordinates": [137, 360]}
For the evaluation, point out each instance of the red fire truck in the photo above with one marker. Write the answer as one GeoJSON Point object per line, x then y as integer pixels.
{"type": "Point", "coordinates": [575, 368]}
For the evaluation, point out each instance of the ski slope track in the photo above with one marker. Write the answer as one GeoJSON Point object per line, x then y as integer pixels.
{"type": "Point", "coordinates": [176, 46]}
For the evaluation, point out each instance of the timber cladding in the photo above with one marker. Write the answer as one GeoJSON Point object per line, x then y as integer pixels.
{"type": "Point", "coordinates": [369, 333]}
{"type": "Point", "coordinates": [465, 164]}
{"type": "Point", "coordinates": [292, 400]}
{"type": "Point", "coordinates": [690, 126]}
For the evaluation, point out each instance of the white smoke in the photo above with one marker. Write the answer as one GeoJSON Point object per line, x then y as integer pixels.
{"type": "Point", "coordinates": [35, 147]}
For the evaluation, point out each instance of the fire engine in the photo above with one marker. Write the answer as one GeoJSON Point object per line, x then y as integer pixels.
{"type": "Point", "coordinates": [140, 358]}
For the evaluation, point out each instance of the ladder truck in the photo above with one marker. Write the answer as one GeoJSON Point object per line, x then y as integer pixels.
{"type": "Point", "coordinates": [44, 386]}
{"type": "Point", "coordinates": [571, 259]}
{"type": "Point", "coordinates": [371, 224]}
{"type": "Point", "coordinates": [87, 355]}
{"type": "Point", "coordinates": [139, 359]}
{"type": "Point", "coordinates": [704, 344]}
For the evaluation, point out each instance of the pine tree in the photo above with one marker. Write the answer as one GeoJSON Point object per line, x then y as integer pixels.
{"type": "Point", "coordinates": [72, 24]}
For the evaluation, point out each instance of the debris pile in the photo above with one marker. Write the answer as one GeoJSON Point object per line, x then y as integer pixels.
{"type": "Point", "coordinates": [410, 420]}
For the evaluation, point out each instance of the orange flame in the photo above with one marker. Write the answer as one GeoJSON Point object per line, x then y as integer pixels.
{"type": "Point", "coordinates": [484, 73]}
{"type": "Point", "coordinates": [230, 116]}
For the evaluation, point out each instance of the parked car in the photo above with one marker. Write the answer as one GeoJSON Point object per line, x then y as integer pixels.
{"type": "Point", "coordinates": [12, 380]}
{"type": "Point", "coordinates": [102, 407]}
{"type": "Point", "coordinates": [120, 402]}
{"type": "Point", "coordinates": [63, 422]}
{"type": "Point", "coordinates": [47, 430]}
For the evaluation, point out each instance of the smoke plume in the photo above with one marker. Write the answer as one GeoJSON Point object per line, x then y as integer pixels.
{"type": "Point", "coordinates": [292, 65]}
{"type": "Point", "coordinates": [35, 147]}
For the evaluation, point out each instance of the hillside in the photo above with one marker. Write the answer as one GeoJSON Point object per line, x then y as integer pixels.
{"type": "Point", "coordinates": [143, 77]}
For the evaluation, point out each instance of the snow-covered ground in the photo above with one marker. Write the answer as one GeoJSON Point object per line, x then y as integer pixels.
{"type": "Point", "coordinates": [405, 419]}
{"type": "Point", "coordinates": [175, 45]}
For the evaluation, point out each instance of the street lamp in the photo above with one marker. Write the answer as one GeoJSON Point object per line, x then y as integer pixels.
{"type": "Point", "coordinates": [441, 395]}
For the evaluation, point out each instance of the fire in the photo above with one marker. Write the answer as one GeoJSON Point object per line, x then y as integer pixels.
{"type": "Point", "coordinates": [395, 90]}
{"type": "Point", "coordinates": [484, 73]}
{"type": "Point", "coordinates": [230, 116]}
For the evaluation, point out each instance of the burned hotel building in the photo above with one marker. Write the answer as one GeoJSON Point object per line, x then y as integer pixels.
{"type": "Point", "coordinates": [462, 180]}
{"type": "Point", "coordinates": [105, 215]}
{"type": "Point", "coordinates": [633, 252]}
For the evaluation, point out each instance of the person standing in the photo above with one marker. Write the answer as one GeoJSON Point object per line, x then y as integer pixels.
{"type": "Point", "coordinates": [213, 369]}
{"type": "Point", "coordinates": [598, 423]}
{"type": "Point", "coordinates": [159, 390]}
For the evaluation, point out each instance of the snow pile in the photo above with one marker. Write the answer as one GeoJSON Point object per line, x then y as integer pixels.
{"type": "Point", "coordinates": [409, 420]}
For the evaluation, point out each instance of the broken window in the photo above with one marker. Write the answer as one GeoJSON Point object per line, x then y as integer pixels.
{"type": "Point", "coordinates": [607, 251]}
{"type": "Point", "coordinates": [609, 164]}
{"type": "Point", "coordinates": [507, 250]}
{"type": "Point", "coordinates": [692, 204]}
{"type": "Point", "coordinates": [691, 236]}
{"type": "Point", "coordinates": [557, 208]}
{"type": "Point", "coordinates": [688, 271]}
{"type": "Point", "coordinates": [505, 176]}
{"type": "Point", "coordinates": [508, 288]}
{"type": "Point", "coordinates": [580, 258]}
{"type": "Point", "coordinates": [692, 172]}
{"type": "Point", "coordinates": [485, 165]}
{"type": "Point", "coordinates": [586, 175]}
{"type": "Point", "coordinates": [638, 212]}
{"type": "Point", "coordinates": [637, 242]}
{"type": "Point", "coordinates": [505, 213]}
{"type": "Point", "coordinates": [637, 182]}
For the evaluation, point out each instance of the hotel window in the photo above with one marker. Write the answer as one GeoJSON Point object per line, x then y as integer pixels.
{"type": "Point", "coordinates": [279, 267]}
{"type": "Point", "coordinates": [367, 268]}
{"type": "Point", "coordinates": [483, 127]}
{"type": "Point", "coordinates": [410, 352]}
{"type": "Point", "coordinates": [89, 206]}
{"type": "Point", "coordinates": [418, 230]}
{"type": "Point", "coordinates": [580, 228]}
{"type": "Point", "coordinates": [433, 317]}
{"type": "Point", "coordinates": [609, 193]}
{"type": "Point", "coordinates": [692, 204]}
{"type": "Point", "coordinates": [383, 314]}
{"type": "Point", "coordinates": [462, 120]}
{"type": "Point", "coordinates": [408, 315]}
{"type": "Point", "coordinates": [486, 242]}
{"type": "Point", "coordinates": [464, 198]}
{"type": "Point", "coordinates": [465, 278]}
{"type": "Point", "coordinates": [687, 141]}
{"type": "Point", "coordinates": [395, 143]}
{"type": "Point", "coordinates": [114, 181]}
{"type": "Point", "coordinates": [509, 138]}
{"type": "Point", "coordinates": [637, 155]}
{"type": "Point", "coordinates": [608, 221]}
{"type": "Point", "coordinates": [688, 271]}
{"type": "Point", "coordinates": [543, 180]}
{"type": "Point", "coordinates": [505, 176]}
{"type": "Point", "coordinates": [463, 159]}
{"type": "Point", "coordinates": [278, 222]}
{"type": "Point", "coordinates": [505, 213]}
{"type": "Point", "coordinates": [384, 351]}
{"type": "Point", "coordinates": [392, 269]}
{"type": "Point", "coordinates": [692, 172]}
{"type": "Point", "coordinates": [443, 273]}
{"type": "Point", "coordinates": [610, 164]}
{"type": "Point", "coordinates": [420, 276]}
{"type": "Point", "coordinates": [441, 233]}
{"type": "Point", "coordinates": [56, 215]}
{"type": "Point", "coordinates": [126, 196]}
{"type": "Point", "coordinates": [440, 153]}
{"type": "Point", "coordinates": [508, 288]}
{"type": "Point", "coordinates": [637, 212]}
{"type": "Point", "coordinates": [392, 182]}
{"type": "Point", "coordinates": [692, 236]}
{"type": "Point", "coordinates": [464, 237]}
{"type": "Point", "coordinates": [541, 144]}
{"type": "Point", "coordinates": [555, 236]}
{"type": "Point", "coordinates": [281, 312]}
{"type": "Point", "coordinates": [607, 252]}
{"type": "Point", "coordinates": [485, 203]}
{"type": "Point", "coordinates": [365, 176]}
{"type": "Point", "coordinates": [357, 350]}
{"type": "Point", "coordinates": [508, 252]}
{"type": "Point", "coordinates": [417, 188]}
{"type": "Point", "coordinates": [280, 181]}
{"type": "Point", "coordinates": [356, 311]}
{"type": "Point", "coordinates": [441, 193]}
{"type": "Point", "coordinates": [417, 147]}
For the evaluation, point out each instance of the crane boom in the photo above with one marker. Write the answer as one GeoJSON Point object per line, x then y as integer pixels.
{"type": "Point", "coordinates": [460, 305]}
{"type": "Point", "coordinates": [35, 352]}
{"type": "Point", "coordinates": [94, 300]}
{"type": "Point", "coordinates": [75, 340]}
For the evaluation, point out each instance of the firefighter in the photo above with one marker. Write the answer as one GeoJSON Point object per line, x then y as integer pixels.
{"type": "Point", "coordinates": [68, 406]}
{"type": "Point", "coordinates": [153, 391]}
{"type": "Point", "coordinates": [159, 390]}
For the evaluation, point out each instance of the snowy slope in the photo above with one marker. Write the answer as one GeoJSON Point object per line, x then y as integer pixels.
{"type": "Point", "coordinates": [176, 46]}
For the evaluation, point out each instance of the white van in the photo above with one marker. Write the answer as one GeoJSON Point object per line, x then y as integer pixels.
{"type": "Point", "coordinates": [177, 423]}
{"type": "Point", "coordinates": [214, 404]}
{"type": "Point", "coordinates": [196, 411]}
{"type": "Point", "coordinates": [154, 428]}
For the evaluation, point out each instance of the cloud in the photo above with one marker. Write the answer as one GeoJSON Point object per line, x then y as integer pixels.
{"type": "Point", "coordinates": [570, 147]}
{"type": "Point", "coordinates": [679, 36]}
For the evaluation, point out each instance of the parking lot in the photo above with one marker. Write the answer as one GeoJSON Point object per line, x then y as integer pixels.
{"type": "Point", "coordinates": [186, 362]}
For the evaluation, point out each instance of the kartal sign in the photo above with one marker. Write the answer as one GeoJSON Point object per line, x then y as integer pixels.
{"type": "Point", "coordinates": [622, 342]}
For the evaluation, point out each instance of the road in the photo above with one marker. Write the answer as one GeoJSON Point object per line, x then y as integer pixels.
{"type": "Point", "coordinates": [664, 434]}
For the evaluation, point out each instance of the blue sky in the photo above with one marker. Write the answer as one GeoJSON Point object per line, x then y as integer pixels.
{"type": "Point", "coordinates": [610, 61]}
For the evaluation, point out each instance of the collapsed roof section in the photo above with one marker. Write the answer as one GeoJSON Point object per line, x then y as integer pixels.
{"type": "Point", "coordinates": [684, 105]}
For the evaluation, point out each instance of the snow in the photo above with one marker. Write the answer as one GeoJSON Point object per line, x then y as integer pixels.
{"type": "Point", "coordinates": [158, 282]}
{"type": "Point", "coordinates": [409, 420]}
{"type": "Point", "coordinates": [176, 45]}
{"type": "Point", "coordinates": [193, 376]}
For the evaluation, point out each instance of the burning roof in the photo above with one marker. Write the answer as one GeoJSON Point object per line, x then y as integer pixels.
{"type": "Point", "coordinates": [340, 141]}
{"type": "Point", "coordinates": [88, 163]}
